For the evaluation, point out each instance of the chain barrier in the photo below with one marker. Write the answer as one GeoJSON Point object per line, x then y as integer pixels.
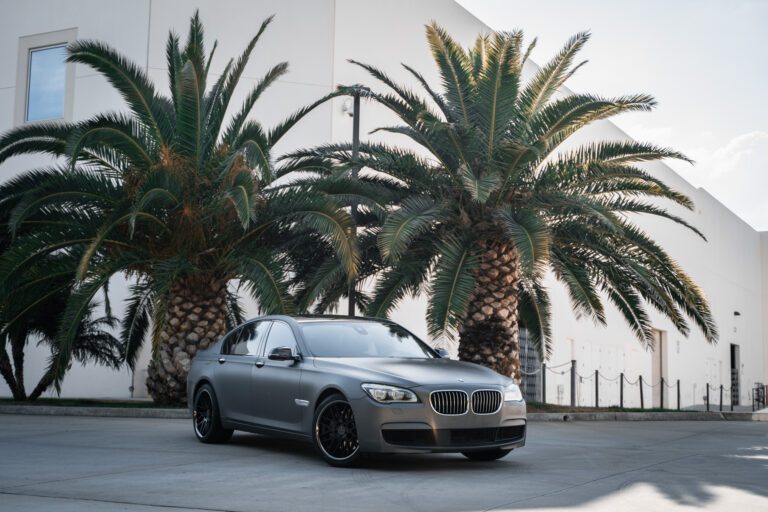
{"type": "Point", "coordinates": [631, 383]}
{"type": "Point", "coordinates": [558, 373]}
{"type": "Point", "coordinates": [662, 383]}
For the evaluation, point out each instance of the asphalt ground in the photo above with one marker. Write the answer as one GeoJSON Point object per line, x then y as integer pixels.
{"type": "Point", "coordinates": [50, 463]}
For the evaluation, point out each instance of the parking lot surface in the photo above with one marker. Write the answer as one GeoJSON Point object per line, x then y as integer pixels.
{"type": "Point", "coordinates": [108, 464]}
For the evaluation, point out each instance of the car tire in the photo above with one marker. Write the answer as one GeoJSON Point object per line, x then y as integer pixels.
{"type": "Point", "coordinates": [487, 455]}
{"type": "Point", "coordinates": [334, 432]}
{"type": "Point", "coordinates": [206, 419]}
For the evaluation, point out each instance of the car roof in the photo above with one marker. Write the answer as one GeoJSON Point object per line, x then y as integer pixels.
{"type": "Point", "coordinates": [334, 318]}
{"type": "Point", "coordinates": [319, 318]}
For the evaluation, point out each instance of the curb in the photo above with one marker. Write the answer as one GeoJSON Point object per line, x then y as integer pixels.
{"type": "Point", "coordinates": [183, 414]}
{"type": "Point", "coordinates": [646, 416]}
{"type": "Point", "coordinates": [107, 412]}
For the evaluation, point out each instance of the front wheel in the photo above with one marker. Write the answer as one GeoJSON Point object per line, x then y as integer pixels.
{"type": "Point", "coordinates": [486, 455]}
{"type": "Point", "coordinates": [335, 433]}
{"type": "Point", "coordinates": [206, 418]}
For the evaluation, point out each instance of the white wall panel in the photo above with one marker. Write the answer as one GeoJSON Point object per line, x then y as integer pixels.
{"type": "Point", "coordinates": [317, 37]}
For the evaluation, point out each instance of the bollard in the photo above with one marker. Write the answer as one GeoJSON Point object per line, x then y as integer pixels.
{"type": "Point", "coordinates": [721, 398]}
{"type": "Point", "coordinates": [597, 392]}
{"type": "Point", "coordinates": [621, 390]}
{"type": "Point", "coordinates": [573, 382]}
{"type": "Point", "coordinates": [544, 382]}
{"type": "Point", "coordinates": [661, 394]}
{"type": "Point", "coordinates": [678, 394]}
{"type": "Point", "coordinates": [640, 381]}
{"type": "Point", "coordinates": [707, 396]}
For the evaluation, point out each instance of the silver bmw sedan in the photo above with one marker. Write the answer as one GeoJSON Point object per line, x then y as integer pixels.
{"type": "Point", "coordinates": [351, 386]}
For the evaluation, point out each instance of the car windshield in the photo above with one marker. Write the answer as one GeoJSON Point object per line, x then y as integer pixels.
{"type": "Point", "coordinates": [362, 339]}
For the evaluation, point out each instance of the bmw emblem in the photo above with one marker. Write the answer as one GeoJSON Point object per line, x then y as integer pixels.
{"type": "Point", "coordinates": [461, 380]}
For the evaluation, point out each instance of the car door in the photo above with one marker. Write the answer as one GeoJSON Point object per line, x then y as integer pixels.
{"type": "Point", "coordinates": [234, 373]}
{"type": "Point", "coordinates": [277, 383]}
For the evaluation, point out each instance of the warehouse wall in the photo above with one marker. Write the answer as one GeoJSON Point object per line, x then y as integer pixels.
{"type": "Point", "coordinates": [317, 37]}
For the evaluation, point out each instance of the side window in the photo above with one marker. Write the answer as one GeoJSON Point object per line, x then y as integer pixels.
{"type": "Point", "coordinates": [280, 335]}
{"type": "Point", "coordinates": [229, 341]}
{"type": "Point", "coordinates": [245, 340]}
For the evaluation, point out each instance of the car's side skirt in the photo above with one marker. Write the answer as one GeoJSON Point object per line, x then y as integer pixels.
{"type": "Point", "coordinates": [269, 431]}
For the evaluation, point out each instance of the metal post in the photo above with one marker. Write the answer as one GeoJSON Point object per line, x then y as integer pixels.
{"type": "Point", "coordinates": [661, 394]}
{"type": "Point", "coordinates": [621, 390]}
{"type": "Point", "coordinates": [707, 396]}
{"type": "Point", "coordinates": [597, 391]}
{"type": "Point", "coordinates": [678, 394]}
{"type": "Point", "coordinates": [355, 170]}
{"type": "Point", "coordinates": [731, 399]}
{"type": "Point", "coordinates": [721, 398]}
{"type": "Point", "coordinates": [573, 382]}
{"type": "Point", "coordinates": [640, 382]}
{"type": "Point", "coordinates": [544, 382]}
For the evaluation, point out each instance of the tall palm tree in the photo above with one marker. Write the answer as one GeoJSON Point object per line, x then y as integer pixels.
{"type": "Point", "coordinates": [172, 196]}
{"type": "Point", "coordinates": [493, 203]}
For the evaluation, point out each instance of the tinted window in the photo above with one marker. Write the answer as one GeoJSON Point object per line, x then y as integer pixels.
{"type": "Point", "coordinates": [46, 83]}
{"type": "Point", "coordinates": [362, 339]}
{"type": "Point", "coordinates": [280, 335]}
{"type": "Point", "coordinates": [245, 340]}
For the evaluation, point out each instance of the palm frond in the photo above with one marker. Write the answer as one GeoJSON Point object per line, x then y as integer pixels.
{"type": "Point", "coordinates": [415, 215]}
{"type": "Point", "coordinates": [452, 287]}
{"type": "Point", "coordinates": [530, 235]}
{"type": "Point", "coordinates": [130, 81]}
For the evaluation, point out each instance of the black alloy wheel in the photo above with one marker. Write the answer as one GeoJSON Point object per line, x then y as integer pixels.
{"type": "Point", "coordinates": [203, 415]}
{"type": "Point", "coordinates": [335, 432]}
{"type": "Point", "coordinates": [206, 418]}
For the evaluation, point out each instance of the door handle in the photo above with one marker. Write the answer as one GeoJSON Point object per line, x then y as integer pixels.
{"type": "Point", "coordinates": [222, 360]}
{"type": "Point", "coordinates": [259, 364]}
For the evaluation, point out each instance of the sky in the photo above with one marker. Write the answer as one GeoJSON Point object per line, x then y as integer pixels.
{"type": "Point", "coordinates": [705, 61]}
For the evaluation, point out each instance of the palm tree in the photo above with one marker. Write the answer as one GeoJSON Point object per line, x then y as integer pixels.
{"type": "Point", "coordinates": [492, 203]}
{"type": "Point", "coordinates": [33, 313]}
{"type": "Point", "coordinates": [171, 196]}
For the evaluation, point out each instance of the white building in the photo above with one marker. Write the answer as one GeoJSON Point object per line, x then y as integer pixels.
{"type": "Point", "coordinates": [317, 37]}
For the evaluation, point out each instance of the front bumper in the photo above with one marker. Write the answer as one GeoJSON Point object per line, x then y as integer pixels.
{"type": "Point", "coordinates": [416, 428]}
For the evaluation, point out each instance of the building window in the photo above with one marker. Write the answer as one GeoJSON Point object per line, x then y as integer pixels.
{"type": "Point", "coordinates": [44, 78]}
{"type": "Point", "coordinates": [46, 83]}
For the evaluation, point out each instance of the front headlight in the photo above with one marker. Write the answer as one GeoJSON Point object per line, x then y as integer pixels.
{"type": "Point", "coordinates": [389, 394]}
{"type": "Point", "coordinates": [512, 393]}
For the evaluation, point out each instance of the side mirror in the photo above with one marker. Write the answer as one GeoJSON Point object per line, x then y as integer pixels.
{"type": "Point", "coordinates": [282, 354]}
{"type": "Point", "coordinates": [442, 352]}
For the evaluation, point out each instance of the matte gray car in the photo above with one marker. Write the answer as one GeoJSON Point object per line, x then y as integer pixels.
{"type": "Point", "coordinates": [351, 386]}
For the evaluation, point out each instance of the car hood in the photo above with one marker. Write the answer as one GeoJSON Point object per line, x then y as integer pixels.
{"type": "Point", "coordinates": [413, 372]}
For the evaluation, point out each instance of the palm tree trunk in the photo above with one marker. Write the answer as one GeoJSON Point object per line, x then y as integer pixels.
{"type": "Point", "coordinates": [45, 383]}
{"type": "Point", "coordinates": [489, 334]}
{"type": "Point", "coordinates": [17, 352]}
{"type": "Point", "coordinates": [195, 319]}
{"type": "Point", "coordinates": [6, 370]}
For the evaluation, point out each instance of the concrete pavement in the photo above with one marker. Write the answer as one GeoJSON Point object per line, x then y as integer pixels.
{"type": "Point", "coordinates": [108, 464]}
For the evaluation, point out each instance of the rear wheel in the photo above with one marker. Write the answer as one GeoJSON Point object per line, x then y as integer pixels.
{"type": "Point", "coordinates": [206, 418]}
{"type": "Point", "coordinates": [335, 432]}
{"type": "Point", "coordinates": [486, 455]}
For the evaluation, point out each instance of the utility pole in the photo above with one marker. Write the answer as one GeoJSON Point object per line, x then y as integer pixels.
{"type": "Point", "coordinates": [355, 169]}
